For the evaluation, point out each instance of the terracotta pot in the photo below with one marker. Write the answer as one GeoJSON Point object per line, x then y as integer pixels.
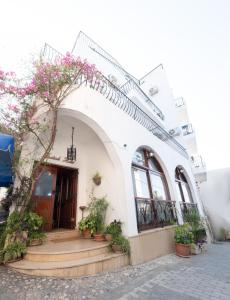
{"type": "Point", "coordinates": [116, 248]}
{"type": "Point", "coordinates": [108, 237]}
{"type": "Point", "coordinates": [99, 237]}
{"type": "Point", "coordinates": [97, 180]}
{"type": "Point", "coordinates": [35, 242]}
{"type": "Point", "coordinates": [86, 234]}
{"type": "Point", "coordinates": [183, 250]}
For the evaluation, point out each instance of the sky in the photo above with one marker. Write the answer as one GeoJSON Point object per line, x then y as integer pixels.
{"type": "Point", "coordinates": [190, 37]}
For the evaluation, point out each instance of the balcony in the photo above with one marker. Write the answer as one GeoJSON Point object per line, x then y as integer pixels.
{"type": "Point", "coordinates": [154, 213]}
{"type": "Point", "coordinates": [199, 168]}
{"type": "Point", "coordinates": [118, 97]}
{"type": "Point", "coordinates": [187, 208]}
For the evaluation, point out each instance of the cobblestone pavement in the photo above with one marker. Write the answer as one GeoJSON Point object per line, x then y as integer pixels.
{"type": "Point", "coordinates": [205, 276]}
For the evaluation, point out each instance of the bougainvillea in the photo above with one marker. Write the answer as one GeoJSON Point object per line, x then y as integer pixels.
{"type": "Point", "coordinates": [23, 101]}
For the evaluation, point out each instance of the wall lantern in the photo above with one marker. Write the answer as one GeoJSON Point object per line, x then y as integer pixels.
{"type": "Point", "coordinates": [71, 151]}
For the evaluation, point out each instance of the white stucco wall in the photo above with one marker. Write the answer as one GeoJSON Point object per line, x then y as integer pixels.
{"type": "Point", "coordinates": [121, 136]}
{"type": "Point", "coordinates": [106, 139]}
{"type": "Point", "coordinates": [215, 194]}
{"type": "Point", "coordinates": [164, 98]}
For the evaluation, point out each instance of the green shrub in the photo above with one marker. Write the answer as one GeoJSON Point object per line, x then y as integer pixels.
{"type": "Point", "coordinates": [114, 228]}
{"type": "Point", "coordinates": [2, 235]}
{"type": "Point", "coordinates": [222, 234]}
{"type": "Point", "coordinates": [122, 242]}
{"type": "Point", "coordinates": [183, 235]}
{"type": "Point", "coordinates": [32, 222]}
{"type": "Point", "coordinates": [88, 222]}
{"type": "Point", "coordinates": [14, 223]}
{"type": "Point", "coordinates": [97, 209]}
{"type": "Point", "coordinates": [197, 228]}
{"type": "Point", "coordinates": [12, 252]}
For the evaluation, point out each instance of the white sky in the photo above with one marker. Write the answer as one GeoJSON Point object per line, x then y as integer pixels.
{"type": "Point", "coordinates": [190, 37]}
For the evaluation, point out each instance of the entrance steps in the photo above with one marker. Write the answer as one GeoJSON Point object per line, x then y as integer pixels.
{"type": "Point", "coordinates": [69, 258]}
{"type": "Point", "coordinates": [62, 234]}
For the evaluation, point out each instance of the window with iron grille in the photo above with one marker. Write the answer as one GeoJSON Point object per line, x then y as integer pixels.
{"type": "Point", "coordinates": [153, 203]}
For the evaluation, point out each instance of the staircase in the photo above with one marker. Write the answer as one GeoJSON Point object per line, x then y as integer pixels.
{"type": "Point", "coordinates": [65, 254]}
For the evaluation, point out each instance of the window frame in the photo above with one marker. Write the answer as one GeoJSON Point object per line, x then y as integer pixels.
{"type": "Point", "coordinates": [152, 201]}
{"type": "Point", "coordinates": [180, 179]}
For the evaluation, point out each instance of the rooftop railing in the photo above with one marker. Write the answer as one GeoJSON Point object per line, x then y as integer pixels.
{"type": "Point", "coordinates": [132, 85]}
{"type": "Point", "coordinates": [118, 98]}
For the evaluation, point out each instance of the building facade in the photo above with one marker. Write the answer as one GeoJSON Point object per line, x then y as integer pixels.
{"type": "Point", "coordinates": [134, 133]}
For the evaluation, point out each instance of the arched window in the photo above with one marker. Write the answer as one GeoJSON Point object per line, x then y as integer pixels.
{"type": "Point", "coordinates": [184, 193]}
{"type": "Point", "coordinates": [153, 204]}
{"type": "Point", "coordinates": [182, 186]}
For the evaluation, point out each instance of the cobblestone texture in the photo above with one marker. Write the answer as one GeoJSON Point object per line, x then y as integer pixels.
{"type": "Point", "coordinates": [205, 276]}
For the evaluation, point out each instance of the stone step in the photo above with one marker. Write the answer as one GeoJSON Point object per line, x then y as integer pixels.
{"type": "Point", "coordinates": [66, 251]}
{"type": "Point", "coordinates": [62, 234]}
{"type": "Point", "coordinates": [73, 268]}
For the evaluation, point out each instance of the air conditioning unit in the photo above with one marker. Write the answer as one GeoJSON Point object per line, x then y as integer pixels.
{"type": "Point", "coordinates": [113, 79]}
{"type": "Point", "coordinates": [153, 91]}
{"type": "Point", "coordinates": [175, 131]}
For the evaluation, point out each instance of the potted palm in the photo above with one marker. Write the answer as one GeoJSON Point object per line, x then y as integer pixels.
{"type": "Point", "coordinates": [183, 239]}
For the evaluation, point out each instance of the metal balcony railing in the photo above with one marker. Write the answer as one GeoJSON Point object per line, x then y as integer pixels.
{"type": "Point", "coordinates": [187, 208]}
{"type": "Point", "coordinates": [132, 85]}
{"type": "Point", "coordinates": [154, 213]}
{"type": "Point", "coordinates": [118, 98]}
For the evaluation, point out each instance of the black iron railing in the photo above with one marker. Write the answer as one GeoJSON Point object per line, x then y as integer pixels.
{"type": "Point", "coordinates": [132, 85]}
{"type": "Point", "coordinates": [132, 82]}
{"type": "Point", "coordinates": [50, 53]}
{"type": "Point", "coordinates": [154, 213]}
{"type": "Point", "coordinates": [118, 98]}
{"type": "Point", "coordinates": [188, 208]}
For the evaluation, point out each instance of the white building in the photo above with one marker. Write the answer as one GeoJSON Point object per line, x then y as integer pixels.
{"type": "Point", "coordinates": [138, 138]}
{"type": "Point", "coordinates": [215, 195]}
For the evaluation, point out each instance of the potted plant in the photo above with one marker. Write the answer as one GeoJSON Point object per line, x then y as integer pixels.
{"type": "Point", "coordinates": [36, 238]}
{"type": "Point", "coordinates": [98, 208]}
{"type": "Point", "coordinates": [197, 228]}
{"type": "Point", "coordinates": [183, 239]}
{"type": "Point", "coordinates": [97, 178]}
{"type": "Point", "coordinates": [87, 226]}
{"type": "Point", "coordinates": [33, 223]}
{"type": "Point", "coordinates": [113, 230]}
{"type": "Point", "coordinates": [120, 244]}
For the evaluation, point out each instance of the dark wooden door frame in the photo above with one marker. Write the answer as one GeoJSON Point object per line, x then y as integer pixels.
{"type": "Point", "coordinates": [38, 200]}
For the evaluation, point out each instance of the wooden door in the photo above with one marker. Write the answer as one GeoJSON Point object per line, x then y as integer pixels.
{"type": "Point", "coordinates": [44, 195]}
{"type": "Point", "coordinates": [69, 200]}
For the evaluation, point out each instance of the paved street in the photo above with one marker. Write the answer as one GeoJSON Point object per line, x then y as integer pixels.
{"type": "Point", "coordinates": [205, 276]}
